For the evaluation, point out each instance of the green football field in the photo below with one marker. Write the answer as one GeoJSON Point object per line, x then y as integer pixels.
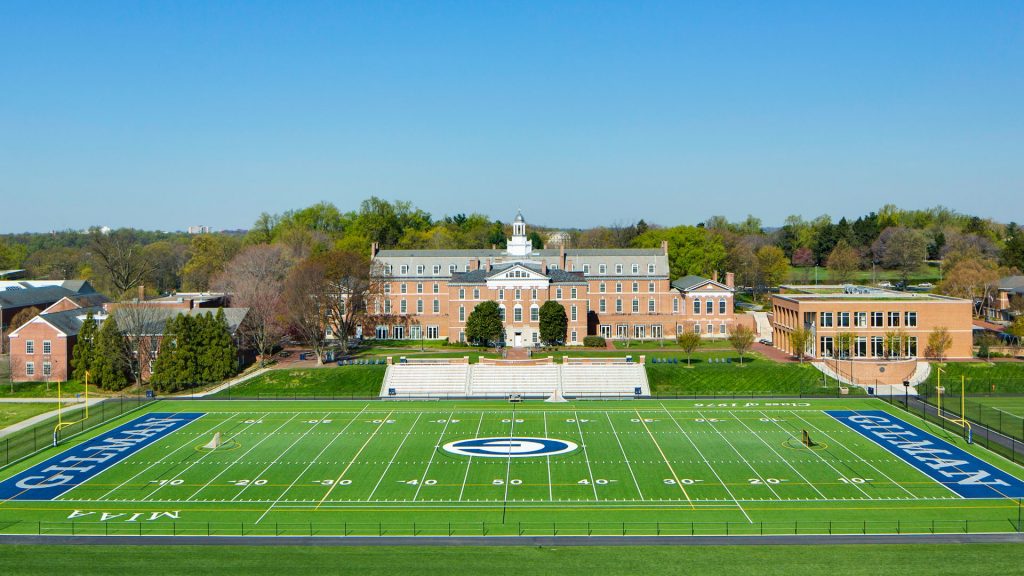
{"type": "Point", "coordinates": [627, 467]}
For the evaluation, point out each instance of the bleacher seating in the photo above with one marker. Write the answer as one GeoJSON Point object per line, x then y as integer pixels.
{"type": "Point", "coordinates": [426, 380]}
{"type": "Point", "coordinates": [527, 381]}
{"type": "Point", "coordinates": [608, 380]}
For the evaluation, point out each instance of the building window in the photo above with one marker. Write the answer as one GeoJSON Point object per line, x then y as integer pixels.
{"type": "Point", "coordinates": [462, 293]}
{"type": "Point", "coordinates": [709, 307]}
{"type": "Point", "coordinates": [722, 306]}
{"type": "Point", "coordinates": [402, 307]}
{"type": "Point", "coordinates": [656, 331]}
{"type": "Point", "coordinates": [47, 347]}
{"type": "Point", "coordinates": [826, 346]}
{"type": "Point", "coordinates": [711, 329]}
{"type": "Point", "coordinates": [519, 294]}
{"type": "Point", "coordinates": [721, 328]}
{"type": "Point", "coordinates": [437, 269]}
{"type": "Point", "coordinates": [30, 368]}
{"type": "Point", "coordinates": [618, 268]}
{"type": "Point", "coordinates": [843, 319]}
{"type": "Point", "coordinates": [826, 320]}
{"type": "Point", "coordinates": [437, 288]}
{"type": "Point", "coordinates": [618, 305]}
{"type": "Point", "coordinates": [601, 305]}
{"type": "Point", "coordinates": [650, 305]}
{"type": "Point", "coordinates": [636, 268]}
{"type": "Point", "coordinates": [419, 287]}
{"type": "Point", "coordinates": [415, 331]}
{"type": "Point", "coordinates": [419, 270]}
{"type": "Point", "coordinates": [586, 268]}
{"type": "Point", "coordinates": [602, 269]}
{"type": "Point", "coordinates": [404, 269]}
{"type": "Point", "coordinates": [636, 287]}
{"type": "Point", "coordinates": [696, 328]}
{"type": "Point", "coordinates": [860, 346]}
{"type": "Point", "coordinates": [387, 306]}
{"type": "Point", "coordinates": [572, 293]}
{"type": "Point", "coordinates": [910, 319]}
{"type": "Point", "coordinates": [876, 346]}
{"type": "Point", "coordinates": [912, 346]}
{"type": "Point", "coordinates": [47, 369]}
{"type": "Point", "coordinates": [601, 287]}
{"type": "Point", "coordinates": [533, 294]}
{"type": "Point", "coordinates": [30, 347]}
{"type": "Point", "coordinates": [462, 313]}
{"type": "Point", "coordinates": [476, 293]}
{"type": "Point", "coordinates": [387, 269]}
{"type": "Point", "coordinates": [437, 306]}
{"type": "Point", "coordinates": [501, 293]}
{"type": "Point", "coordinates": [387, 288]}
{"type": "Point", "coordinates": [517, 313]}
{"type": "Point", "coordinates": [876, 319]}
{"type": "Point", "coordinates": [572, 336]}
{"type": "Point", "coordinates": [402, 288]}
{"type": "Point", "coordinates": [696, 306]}
{"type": "Point", "coordinates": [381, 332]}
{"type": "Point", "coordinates": [675, 305]}
{"type": "Point", "coordinates": [894, 318]}
{"type": "Point", "coordinates": [572, 313]}
{"type": "Point", "coordinates": [639, 331]}
{"type": "Point", "coordinates": [650, 286]}
{"type": "Point", "coordinates": [618, 287]}
{"type": "Point", "coordinates": [534, 313]}
{"type": "Point", "coordinates": [432, 332]}
{"type": "Point", "coordinates": [636, 305]}
{"type": "Point", "coordinates": [452, 268]}
{"type": "Point", "coordinates": [650, 268]}
{"type": "Point", "coordinates": [399, 332]}
{"type": "Point", "coordinates": [860, 319]}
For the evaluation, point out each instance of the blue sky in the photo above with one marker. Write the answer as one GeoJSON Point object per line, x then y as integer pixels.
{"type": "Point", "coordinates": [166, 114]}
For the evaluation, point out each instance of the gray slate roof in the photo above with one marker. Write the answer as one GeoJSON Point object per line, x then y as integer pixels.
{"type": "Point", "coordinates": [1011, 283]}
{"type": "Point", "coordinates": [688, 282]}
{"type": "Point", "coordinates": [155, 318]}
{"type": "Point", "coordinates": [25, 297]}
{"type": "Point", "coordinates": [548, 252]}
{"type": "Point", "coordinates": [70, 321]}
{"type": "Point", "coordinates": [557, 276]}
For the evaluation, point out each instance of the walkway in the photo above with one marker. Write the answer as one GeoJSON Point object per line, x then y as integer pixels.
{"type": "Point", "coordinates": [30, 422]}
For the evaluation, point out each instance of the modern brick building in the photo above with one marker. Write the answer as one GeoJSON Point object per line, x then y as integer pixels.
{"type": "Point", "coordinates": [871, 319]}
{"type": "Point", "coordinates": [615, 293]}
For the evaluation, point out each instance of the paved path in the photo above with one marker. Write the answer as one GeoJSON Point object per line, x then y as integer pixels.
{"type": "Point", "coordinates": [29, 422]}
{"type": "Point", "coordinates": [228, 384]}
{"type": "Point", "coordinates": [66, 400]}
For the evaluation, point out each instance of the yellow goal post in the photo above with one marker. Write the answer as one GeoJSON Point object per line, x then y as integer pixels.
{"type": "Point", "coordinates": [61, 423]}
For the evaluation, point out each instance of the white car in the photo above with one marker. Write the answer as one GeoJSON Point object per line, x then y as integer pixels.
{"type": "Point", "coordinates": [926, 285]}
{"type": "Point", "coordinates": [885, 284]}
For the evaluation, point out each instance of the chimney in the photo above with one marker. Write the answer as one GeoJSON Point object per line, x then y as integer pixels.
{"type": "Point", "coordinates": [374, 248]}
{"type": "Point", "coordinates": [142, 292]}
{"type": "Point", "coordinates": [544, 267]}
{"type": "Point", "coordinates": [561, 257]}
{"type": "Point", "coordinates": [730, 279]}
{"type": "Point", "coordinates": [714, 276]}
{"type": "Point", "coordinates": [488, 264]}
{"type": "Point", "coordinates": [664, 247]}
{"type": "Point", "coordinates": [474, 264]}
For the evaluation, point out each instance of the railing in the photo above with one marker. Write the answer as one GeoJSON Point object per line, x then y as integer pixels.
{"type": "Point", "coordinates": [527, 529]}
{"type": "Point", "coordinates": [24, 443]}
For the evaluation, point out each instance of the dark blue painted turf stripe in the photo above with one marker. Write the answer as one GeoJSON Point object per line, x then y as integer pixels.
{"type": "Point", "coordinates": [960, 471]}
{"type": "Point", "coordinates": [52, 478]}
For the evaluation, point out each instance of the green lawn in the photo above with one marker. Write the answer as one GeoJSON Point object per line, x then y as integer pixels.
{"type": "Point", "coordinates": [340, 381]}
{"type": "Point", "coordinates": [978, 377]}
{"type": "Point", "coordinates": [911, 560]}
{"type": "Point", "coordinates": [12, 413]}
{"type": "Point", "coordinates": [806, 275]}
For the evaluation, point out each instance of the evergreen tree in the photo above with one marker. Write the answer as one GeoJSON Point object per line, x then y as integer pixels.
{"type": "Point", "coordinates": [194, 350]}
{"type": "Point", "coordinates": [83, 352]}
{"type": "Point", "coordinates": [553, 322]}
{"type": "Point", "coordinates": [1013, 251]}
{"type": "Point", "coordinates": [109, 367]}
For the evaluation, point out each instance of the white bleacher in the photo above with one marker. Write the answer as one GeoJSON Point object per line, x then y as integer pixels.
{"type": "Point", "coordinates": [595, 380]}
{"type": "Point", "coordinates": [426, 380]}
{"type": "Point", "coordinates": [500, 381]}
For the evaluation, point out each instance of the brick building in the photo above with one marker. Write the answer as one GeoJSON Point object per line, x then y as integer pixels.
{"type": "Point", "coordinates": [18, 295]}
{"type": "Point", "coordinates": [41, 349]}
{"type": "Point", "coordinates": [615, 293]}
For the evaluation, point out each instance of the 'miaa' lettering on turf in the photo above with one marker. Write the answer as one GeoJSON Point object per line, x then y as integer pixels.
{"type": "Point", "coordinates": [52, 478]}
{"type": "Point", "coordinates": [945, 463]}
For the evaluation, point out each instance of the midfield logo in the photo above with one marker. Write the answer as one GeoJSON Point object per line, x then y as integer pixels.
{"type": "Point", "coordinates": [510, 447]}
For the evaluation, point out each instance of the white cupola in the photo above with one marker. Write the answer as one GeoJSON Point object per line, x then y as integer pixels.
{"type": "Point", "coordinates": [519, 244]}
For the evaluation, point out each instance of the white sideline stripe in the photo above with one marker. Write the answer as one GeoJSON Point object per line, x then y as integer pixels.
{"type": "Point", "coordinates": [228, 467]}
{"type": "Point", "coordinates": [583, 443]}
{"type": "Point", "coordinates": [164, 458]}
{"type": "Point", "coordinates": [859, 457]}
{"type": "Point", "coordinates": [470, 462]}
{"type": "Point", "coordinates": [310, 465]}
{"type": "Point", "coordinates": [394, 457]}
{"type": "Point", "coordinates": [623, 450]}
{"type": "Point", "coordinates": [708, 464]}
{"type": "Point", "coordinates": [279, 456]}
{"type": "Point", "coordinates": [745, 461]}
{"type": "Point", "coordinates": [780, 456]}
{"type": "Point", "coordinates": [827, 463]}
{"type": "Point", "coordinates": [432, 454]}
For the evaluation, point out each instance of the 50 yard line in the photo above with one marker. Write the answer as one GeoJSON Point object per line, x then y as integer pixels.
{"type": "Point", "coordinates": [353, 460]}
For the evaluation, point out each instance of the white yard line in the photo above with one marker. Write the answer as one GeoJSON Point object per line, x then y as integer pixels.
{"type": "Point", "coordinates": [583, 444]}
{"type": "Point", "coordinates": [859, 457]}
{"type": "Point", "coordinates": [310, 465]}
{"type": "Point", "coordinates": [432, 454]}
{"type": "Point", "coordinates": [708, 464]}
{"type": "Point", "coordinates": [508, 467]}
{"type": "Point", "coordinates": [551, 487]}
{"type": "Point", "coordinates": [354, 458]}
{"type": "Point", "coordinates": [623, 450]}
{"type": "Point", "coordinates": [470, 462]}
{"type": "Point", "coordinates": [187, 444]}
{"type": "Point", "coordinates": [829, 464]}
{"type": "Point", "coordinates": [780, 456]}
{"type": "Point", "coordinates": [228, 467]}
{"type": "Point", "coordinates": [279, 456]}
{"type": "Point", "coordinates": [665, 459]}
{"type": "Point", "coordinates": [393, 457]}
{"type": "Point", "coordinates": [749, 465]}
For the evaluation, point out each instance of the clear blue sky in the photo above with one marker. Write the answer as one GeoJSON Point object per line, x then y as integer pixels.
{"type": "Point", "coordinates": [166, 114]}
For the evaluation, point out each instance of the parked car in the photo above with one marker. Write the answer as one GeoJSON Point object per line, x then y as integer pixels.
{"type": "Point", "coordinates": [926, 285]}
{"type": "Point", "coordinates": [885, 284]}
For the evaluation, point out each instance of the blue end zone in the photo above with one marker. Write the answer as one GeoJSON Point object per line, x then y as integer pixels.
{"type": "Point", "coordinates": [958, 470]}
{"type": "Point", "coordinates": [52, 478]}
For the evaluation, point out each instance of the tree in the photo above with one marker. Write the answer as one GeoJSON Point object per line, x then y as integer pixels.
{"type": "Point", "coordinates": [975, 279]}
{"type": "Point", "coordinates": [166, 259]}
{"type": "Point", "coordinates": [844, 344]}
{"type": "Point", "coordinates": [120, 256]}
{"type": "Point", "coordinates": [689, 341]}
{"type": "Point", "coordinates": [553, 323]}
{"type": "Point", "coordinates": [691, 250]}
{"type": "Point", "coordinates": [843, 262]}
{"type": "Point", "coordinates": [109, 368]}
{"type": "Point", "coordinates": [84, 351]}
{"type": "Point", "coordinates": [137, 323]}
{"type": "Point", "coordinates": [741, 339]}
{"type": "Point", "coordinates": [939, 342]}
{"type": "Point", "coordinates": [773, 267]}
{"type": "Point", "coordinates": [901, 249]}
{"type": "Point", "coordinates": [351, 284]}
{"type": "Point", "coordinates": [23, 316]}
{"type": "Point", "coordinates": [307, 310]}
{"type": "Point", "coordinates": [893, 343]}
{"type": "Point", "coordinates": [218, 357]}
{"type": "Point", "coordinates": [798, 341]}
{"type": "Point", "coordinates": [484, 324]}
{"type": "Point", "coordinates": [1017, 330]}
{"type": "Point", "coordinates": [255, 280]}
{"type": "Point", "coordinates": [803, 257]}
{"type": "Point", "coordinates": [209, 254]}
{"type": "Point", "coordinates": [1013, 249]}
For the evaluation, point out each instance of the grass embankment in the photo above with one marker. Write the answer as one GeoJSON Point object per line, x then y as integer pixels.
{"type": "Point", "coordinates": [12, 413]}
{"type": "Point", "coordinates": [923, 559]}
{"type": "Point", "coordinates": [756, 376]}
{"type": "Point", "coordinates": [344, 381]}
{"type": "Point", "coordinates": [979, 378]}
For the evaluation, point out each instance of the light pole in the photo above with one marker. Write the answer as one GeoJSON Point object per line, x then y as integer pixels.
{"type": "Point", "coordinates": [906, 394]}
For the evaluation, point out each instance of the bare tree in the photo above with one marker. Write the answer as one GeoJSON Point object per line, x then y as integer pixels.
{"type": "Point", "coordinates": [121, 257]}
{"type": "Point", "coordinates": [141, 325]}
{"type": "Point", "coordinates": [352, 285]}
{"type": "Point", "coordinates": [255, 279]}
{"type": "Point", "coordinates": [306, 295]}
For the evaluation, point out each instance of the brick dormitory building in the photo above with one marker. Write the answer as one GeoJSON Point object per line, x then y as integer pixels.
{"type": "Point", "coordinates": [615, 293]}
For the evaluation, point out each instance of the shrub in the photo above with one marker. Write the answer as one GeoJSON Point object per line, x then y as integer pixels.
{"type": "Point", "coordinates": [594, 341]}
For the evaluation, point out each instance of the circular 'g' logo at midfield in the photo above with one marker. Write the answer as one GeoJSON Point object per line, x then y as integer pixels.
{"type": "Point", "coordinates": [506, 447]}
